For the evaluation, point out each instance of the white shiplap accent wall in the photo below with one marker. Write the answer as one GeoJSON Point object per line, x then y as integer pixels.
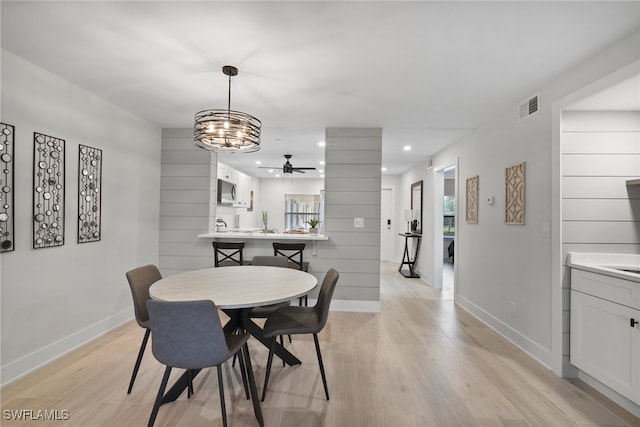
{"type": "Point", "coordinates": [600, 213]}
{"type": "Point", "coordinates": [353, 177]}
{"type": "Point", "coordinates": [184, 203]}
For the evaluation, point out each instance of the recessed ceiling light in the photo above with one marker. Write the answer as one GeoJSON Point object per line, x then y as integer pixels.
{"type": "Point", "coordinates": [270, 170]}
{"type": "Point", "coordinates": [407, 148]}
{"type": "Point", "coordinates": [384, 169]}
{"type": "Point", "coordinates": [277, 175]}
{"type": "Point", "coordinates": [322, 176]}
{"type": "Point", "coordinates": [321, 144]}
{"type": "Point", "coordinates": [322, 162]}
{"type": "Point", "coordinates": [258, 162]}
{"type": "Point", "coordinates": [320, 171]}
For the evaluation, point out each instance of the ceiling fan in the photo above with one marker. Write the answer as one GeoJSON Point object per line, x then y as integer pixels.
{"type": "Point", "coordinates": [288, 167]}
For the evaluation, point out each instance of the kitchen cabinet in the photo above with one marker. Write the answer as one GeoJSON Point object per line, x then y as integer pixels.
{"type": "Point", "coordinates": [228, 174]}
{"type": "Point", "coordinates": [243, 198]}
{"type": "Point", "coordinates": [605, 334]}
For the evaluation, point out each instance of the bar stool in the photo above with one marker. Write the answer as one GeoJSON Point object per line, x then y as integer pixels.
{"type": "Point", "coordinates": [295, 256]}
{"type": "Point", "coordinates": [227, 254]}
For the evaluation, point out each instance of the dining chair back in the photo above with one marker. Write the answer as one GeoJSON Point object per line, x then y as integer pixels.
{"type": "Point", "coordinates": [295, 320]}
{"type": "Point", "coordinates": [140, 280]}
{"type": "Point", "coordinates": [228, 253]}
{"type": "Point", "coordinates": [272, 261]}
{"type": "Point", "coordinates": [189, 335]}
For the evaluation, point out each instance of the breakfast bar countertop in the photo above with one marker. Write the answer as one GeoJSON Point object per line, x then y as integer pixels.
{"type": "Point", "coordinates": [259, 235]}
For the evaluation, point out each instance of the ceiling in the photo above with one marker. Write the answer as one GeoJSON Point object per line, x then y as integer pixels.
{"type": "Point", "coordinates": [426, 72]}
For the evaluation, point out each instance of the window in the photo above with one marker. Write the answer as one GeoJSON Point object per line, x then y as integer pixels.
{"type": "Point", "coordinates": [449, 209]}
{"type": "Point", "coordinates": [300, 208]}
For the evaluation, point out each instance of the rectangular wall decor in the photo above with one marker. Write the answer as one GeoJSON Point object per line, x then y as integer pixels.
{"type": "Point", "coordinates": [514, 194]}
{"type": "Point", "coordinates": [89, 194]}
{"type": "Point", "coordinates": [472, 200]}
{"type": "Point", "coordinates": [7, 225]}
{"type": "Point", "coordinates": [48, 191]}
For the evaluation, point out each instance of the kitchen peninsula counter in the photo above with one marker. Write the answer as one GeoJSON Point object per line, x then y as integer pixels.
{"type": "Point", "coordinates": [259, 243]}
{"type": "Point", "coordinates": [258, 235]}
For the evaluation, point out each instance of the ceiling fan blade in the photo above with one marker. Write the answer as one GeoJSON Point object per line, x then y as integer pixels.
{"type": "Point", "coordinates": [298, 170]}
{"type": "Point", "coordinates": [306, 169]}
{"type": "Point", "coordinates": [268, 167]}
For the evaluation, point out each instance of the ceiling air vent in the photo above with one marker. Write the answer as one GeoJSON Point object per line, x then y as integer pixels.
{"type": "Point", "coordinates": [529, 107]}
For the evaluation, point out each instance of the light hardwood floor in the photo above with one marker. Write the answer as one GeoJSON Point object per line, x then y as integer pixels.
{"type": "Point", "coordinates": [421, 362]}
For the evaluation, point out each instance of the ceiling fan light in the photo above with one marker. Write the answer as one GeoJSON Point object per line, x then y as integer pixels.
{"type": "Point", "coordinates": [236, 131]}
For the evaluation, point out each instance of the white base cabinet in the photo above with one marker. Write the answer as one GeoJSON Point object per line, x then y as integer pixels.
{"type": "Point", "coordinates": [605, 335]}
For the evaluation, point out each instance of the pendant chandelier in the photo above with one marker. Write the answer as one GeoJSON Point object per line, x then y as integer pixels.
{"type": "Point", "coordinates": [227, 130]}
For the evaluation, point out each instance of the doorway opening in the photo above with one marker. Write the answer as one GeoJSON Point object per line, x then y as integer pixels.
{"type": "Point", "coordinates": [445, 230]}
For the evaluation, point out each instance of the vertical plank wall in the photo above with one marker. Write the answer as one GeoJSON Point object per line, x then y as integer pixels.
{"type": "Point", "coordinates": [600, 214]}
{"type": "Point", "coordinates": [184, 203]}
{"type": "Point", "coordinates": [353, 177]}
{"type": "Point", "coordinates": [352, 189]}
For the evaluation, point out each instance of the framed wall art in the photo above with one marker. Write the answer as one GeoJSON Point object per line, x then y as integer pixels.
{"type": "Point", "coordinates": [514, 204]}
{"type": "Point", "coordinates": [7, 225]}
{"type": "Point", "coordinates": [472, 200]}
{"type": "Point", "coordinates": [89, 194]}
{"type": "Point", "coordinates": [48, 191]}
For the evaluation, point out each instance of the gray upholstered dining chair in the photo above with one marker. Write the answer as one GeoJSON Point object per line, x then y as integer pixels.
{"type": "Point", "coordinates": [271, 261]}
{"type": "Point", "coordinates": [188, 335]}
{"type": "Point", "coordinates": [294, 320]}
{"type": "Point", "coordinates": [265, 311]}
{"type": "Point", "coordinates": [140, 280]}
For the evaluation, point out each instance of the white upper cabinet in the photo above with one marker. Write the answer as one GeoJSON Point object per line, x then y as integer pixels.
{"type": "Point", "coordinates": [228, 174]}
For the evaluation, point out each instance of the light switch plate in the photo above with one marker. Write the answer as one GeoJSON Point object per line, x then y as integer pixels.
{"type": "Point", "coordinates": [358, 222]}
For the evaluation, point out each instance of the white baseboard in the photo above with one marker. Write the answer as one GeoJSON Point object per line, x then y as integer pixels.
{"type": "Point", "coordinates": [34, 360]}
{"type": "Point", "coordinates": [530, 347]}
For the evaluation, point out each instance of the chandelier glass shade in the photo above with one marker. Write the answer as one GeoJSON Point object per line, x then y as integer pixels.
{"type": "Point", "coordinates": [227, 130]}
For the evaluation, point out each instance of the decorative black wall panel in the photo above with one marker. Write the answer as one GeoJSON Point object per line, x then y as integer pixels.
{"type": "Point", "coordinates": [48, 191]}
{"type": "Point", "coordinates": [89, 194]}
{"type": "Point", "coordinates": [7, 225]}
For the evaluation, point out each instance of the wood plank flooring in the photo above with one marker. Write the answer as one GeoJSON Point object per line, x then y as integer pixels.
{"type": "Point", "coordinates": [421, 362]}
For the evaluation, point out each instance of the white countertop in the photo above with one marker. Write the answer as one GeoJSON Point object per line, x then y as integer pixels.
{"type": "Point", "coordinates": [261, 236]}
{"type": "Point", "coordinates": [608, 264]}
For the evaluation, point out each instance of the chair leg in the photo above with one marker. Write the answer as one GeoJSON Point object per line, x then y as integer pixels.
{"type": "Point", "coordinates": [222, 405]}
{"type": "Point", "coordinates": [252, 383]}
{"type": "Point", "coordinates": [190, 388]}
{"type": "Point", "coordinates": [268, 372]}
{"type": "Point", "coordinates": [324, 378]}
{"type": "Point", "coordinates": [243, 373]}
{"type": "Point", "coordinates": [139, 359]}
{"type": "Point", "coordinates": [282, 344]}
{"type": "Point", "coordinates": [158, 402]}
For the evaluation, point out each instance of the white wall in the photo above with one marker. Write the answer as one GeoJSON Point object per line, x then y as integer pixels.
{"type": "Point", "coordinates": [501, 265]}
{"type": "Point", "coordinates": [55, 299]}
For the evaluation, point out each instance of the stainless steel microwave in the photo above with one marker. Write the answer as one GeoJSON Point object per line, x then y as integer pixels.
{"type": "Point", "coordinates": [226, 192]}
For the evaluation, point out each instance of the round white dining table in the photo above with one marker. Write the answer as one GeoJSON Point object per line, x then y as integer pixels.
{"type": "Point", "coordinates": [235, 287]}
{"type": "Point", "coordinates": [235, 290]}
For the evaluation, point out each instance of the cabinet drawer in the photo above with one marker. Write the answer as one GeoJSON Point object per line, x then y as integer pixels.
{"type": "Point", "coordinates": [611, 288]}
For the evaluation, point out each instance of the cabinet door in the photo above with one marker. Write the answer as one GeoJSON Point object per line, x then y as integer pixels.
{"type": "Point", "coordinates": [244, 191]}
{"type": "Point", "coordinates": [604, 344]}
{"type": "Point", "coordinates": [225, 173]}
